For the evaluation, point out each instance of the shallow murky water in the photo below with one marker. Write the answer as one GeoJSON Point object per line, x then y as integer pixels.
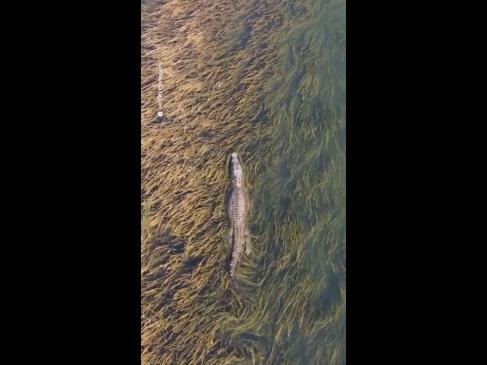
{"type": "Point", "coordinates": [288, 124]}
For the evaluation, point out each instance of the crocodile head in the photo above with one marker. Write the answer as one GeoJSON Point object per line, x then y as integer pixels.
{"type": "Point", "coordinates": [235, 170]}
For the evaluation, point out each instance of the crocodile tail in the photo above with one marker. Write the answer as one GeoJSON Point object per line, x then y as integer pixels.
{"type": "Point", "coordinates": [239, 291]}
{"type": "Point", "coordinates": [235, 285]}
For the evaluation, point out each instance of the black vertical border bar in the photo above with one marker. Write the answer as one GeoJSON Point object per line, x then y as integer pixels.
{"type": "Point", "coordinates": [131, 47]}
{"type": "Point", "coordinates": [137, 135]}
{"type": "Point", "coordinates": [138, 210]}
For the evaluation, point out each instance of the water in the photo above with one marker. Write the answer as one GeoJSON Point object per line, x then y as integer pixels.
{"type": "Point", "coordinates": [289, 127]}
{"type": "Point", "coordinates": [300, 195]}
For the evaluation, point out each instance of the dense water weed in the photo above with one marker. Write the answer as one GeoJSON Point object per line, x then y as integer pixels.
{"type": "Point", "coordinates": [266, 79]}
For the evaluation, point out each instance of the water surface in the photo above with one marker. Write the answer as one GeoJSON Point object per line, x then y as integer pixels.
{"type": "Point", "coordinates": [299, 192]}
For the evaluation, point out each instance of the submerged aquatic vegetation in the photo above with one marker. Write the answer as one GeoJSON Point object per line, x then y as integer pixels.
{"type": "Point", "coordinates": [265, 78]}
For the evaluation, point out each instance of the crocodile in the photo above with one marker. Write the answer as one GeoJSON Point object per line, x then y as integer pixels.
{"type": "Point", "coordinates": [238, 211]}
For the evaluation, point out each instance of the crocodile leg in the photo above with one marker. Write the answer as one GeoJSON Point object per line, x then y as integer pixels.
{"type": "Point", "coordinates": [248, 246]}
